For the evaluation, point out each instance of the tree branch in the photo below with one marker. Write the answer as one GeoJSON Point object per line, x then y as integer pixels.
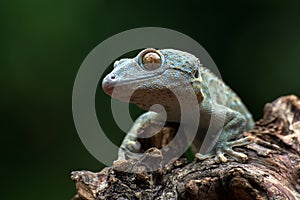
{"type": "Point", "coordinates": [271, 171]}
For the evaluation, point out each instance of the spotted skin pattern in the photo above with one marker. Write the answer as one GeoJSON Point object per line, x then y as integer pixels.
{"type": "Point", "coordinates": [166, 70]}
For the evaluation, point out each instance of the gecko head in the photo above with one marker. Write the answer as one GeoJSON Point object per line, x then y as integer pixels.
{"type": "Point", "coordinates": [152, 77]}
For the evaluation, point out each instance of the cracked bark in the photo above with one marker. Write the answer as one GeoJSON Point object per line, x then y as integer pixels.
{"type": "Point", "coordinates": [271, 171]}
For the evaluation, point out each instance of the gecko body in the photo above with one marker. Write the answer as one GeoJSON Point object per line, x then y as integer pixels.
{"type": "Point", "coordinates": [159, 77]}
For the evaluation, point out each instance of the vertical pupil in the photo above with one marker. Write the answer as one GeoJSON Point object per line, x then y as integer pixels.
{"type": "Point", "coordinates": [151, 57]}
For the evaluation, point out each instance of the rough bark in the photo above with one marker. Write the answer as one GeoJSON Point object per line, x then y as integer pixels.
{"type": "Point", "coordinates": [271, 171]}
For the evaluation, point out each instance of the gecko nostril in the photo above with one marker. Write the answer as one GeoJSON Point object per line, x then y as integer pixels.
{"type": "Point", "coordinates": [112, 77]}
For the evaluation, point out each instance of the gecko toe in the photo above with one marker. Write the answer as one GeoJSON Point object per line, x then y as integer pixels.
{"type": "Point", "coordinates": [200, 156]}
{"type": "Point", "coordinates": [240, 142]}
{"type": "Point", "coordinates": [220, 156]}
{"type": "Point", "coordinates": [240, 157]}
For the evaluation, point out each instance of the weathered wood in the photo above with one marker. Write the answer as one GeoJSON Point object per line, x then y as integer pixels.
{"type": "Point", "coordinates": [271, 171]}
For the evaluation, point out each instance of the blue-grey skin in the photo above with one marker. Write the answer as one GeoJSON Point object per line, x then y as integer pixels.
{"type": "Point", "coordinates": [152, 74]}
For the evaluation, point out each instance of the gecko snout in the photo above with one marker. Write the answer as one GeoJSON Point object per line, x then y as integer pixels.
{"type": "Point", "coordinates": [108, 84]}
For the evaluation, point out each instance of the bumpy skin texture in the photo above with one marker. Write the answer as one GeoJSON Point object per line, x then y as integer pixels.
{"type": "Point", "coordinates": [150, 77]}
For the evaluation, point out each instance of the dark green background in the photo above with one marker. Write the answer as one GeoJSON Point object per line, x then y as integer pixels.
{"type": "Point", "coordinates": [255, 44]}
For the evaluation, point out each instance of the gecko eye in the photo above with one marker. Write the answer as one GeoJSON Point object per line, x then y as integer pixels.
{"type": "Point", "coordinates": [151, 60]}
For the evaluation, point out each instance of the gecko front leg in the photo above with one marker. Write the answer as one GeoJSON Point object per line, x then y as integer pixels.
{"type": "Point", "coordinates": [234, 124]}
{"type": "Point", "coordinates": [131, 147]}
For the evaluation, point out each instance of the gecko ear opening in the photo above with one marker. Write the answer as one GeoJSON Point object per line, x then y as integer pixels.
{"type": "Point", "coordinates": [196, 73]}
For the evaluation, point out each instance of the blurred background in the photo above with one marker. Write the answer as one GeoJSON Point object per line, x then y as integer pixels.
{"type": "Point", "coordinates": [255, 45]}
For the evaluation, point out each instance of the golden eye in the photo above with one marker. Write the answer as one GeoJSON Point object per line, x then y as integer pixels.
{"type": "Point", "coordinates": [151, 60]}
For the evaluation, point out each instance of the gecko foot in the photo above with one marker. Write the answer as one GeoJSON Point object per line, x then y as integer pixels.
{"type": "Point", "coordinates": [133, 146]}
{"type": "Point", "coordinates": [130, 149]}
{"type": "Point", "coordinates": [219, 151]}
